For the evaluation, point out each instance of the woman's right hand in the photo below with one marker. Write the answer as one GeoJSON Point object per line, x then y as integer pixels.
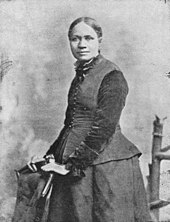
{"type": "Point", "coordinates": [56, 168]}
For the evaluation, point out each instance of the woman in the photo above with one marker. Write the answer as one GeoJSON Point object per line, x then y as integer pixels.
{"type": "Point", "coordinates": [98, 179]}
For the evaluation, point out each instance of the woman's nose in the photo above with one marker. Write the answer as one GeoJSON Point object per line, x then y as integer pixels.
{"type": "Point", "coordinates": [82, 44]}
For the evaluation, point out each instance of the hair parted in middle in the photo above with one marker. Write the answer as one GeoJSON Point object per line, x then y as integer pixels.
{"type": "Point", "coordinates": [89, 21]}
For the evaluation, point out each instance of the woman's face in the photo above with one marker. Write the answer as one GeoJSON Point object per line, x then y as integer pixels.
{"type": "Point", "coordinates": [84, 42]}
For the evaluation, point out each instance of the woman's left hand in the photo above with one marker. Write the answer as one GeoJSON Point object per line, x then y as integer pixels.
{"type": "Point", "coordinates": [54, 167]}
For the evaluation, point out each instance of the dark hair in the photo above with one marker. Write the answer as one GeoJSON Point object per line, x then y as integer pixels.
{"type": "Point", "coordinates": [89, 21]}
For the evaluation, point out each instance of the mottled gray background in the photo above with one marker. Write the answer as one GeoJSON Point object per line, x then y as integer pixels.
{"type": "Point", "coordinates": [33, 94]}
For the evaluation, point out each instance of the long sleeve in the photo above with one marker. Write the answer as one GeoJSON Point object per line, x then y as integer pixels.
{"type": "Point", "coordinates": [110, 102]}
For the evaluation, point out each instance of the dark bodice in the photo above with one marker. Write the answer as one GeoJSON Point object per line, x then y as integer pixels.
{"type": "Point", "coordinates": [91, 133]}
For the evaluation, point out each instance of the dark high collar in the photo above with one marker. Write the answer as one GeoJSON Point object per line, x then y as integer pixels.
{"type": "Point", "coordinates": [82, 68]}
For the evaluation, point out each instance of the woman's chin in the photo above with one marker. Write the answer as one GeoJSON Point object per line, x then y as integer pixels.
{"type": "Point", "coordinates": [84, 57]}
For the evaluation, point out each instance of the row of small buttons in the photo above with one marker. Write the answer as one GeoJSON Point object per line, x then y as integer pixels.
{"type": "Point", "coordinates": [74, 103]}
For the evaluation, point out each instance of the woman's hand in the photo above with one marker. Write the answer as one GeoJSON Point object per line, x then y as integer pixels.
{"type": "Point", "coordinates": [54, 167]}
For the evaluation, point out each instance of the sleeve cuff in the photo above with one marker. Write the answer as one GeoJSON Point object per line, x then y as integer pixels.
{"type": "Point", "coordinates": [80, 159]}
{"type": "Point", "coordinates": [75, 171]}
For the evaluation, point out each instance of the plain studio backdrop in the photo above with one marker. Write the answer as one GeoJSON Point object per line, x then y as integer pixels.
{"type": "Point", "coordinates": [33, 93]}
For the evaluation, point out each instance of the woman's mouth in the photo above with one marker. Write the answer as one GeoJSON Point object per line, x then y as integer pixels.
{"type": "Point", "coordinates": [83, 53]}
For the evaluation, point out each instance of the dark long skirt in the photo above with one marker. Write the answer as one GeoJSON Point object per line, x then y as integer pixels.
{"type": "Point", "coordinates": [110, 192]}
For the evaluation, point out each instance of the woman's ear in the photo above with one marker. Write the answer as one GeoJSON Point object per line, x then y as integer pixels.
{"type": "Point", "coordinates": [100, 39]}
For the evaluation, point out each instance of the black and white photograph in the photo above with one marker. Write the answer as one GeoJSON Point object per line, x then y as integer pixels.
{"type": "Point", "coordinates": [85, 111]}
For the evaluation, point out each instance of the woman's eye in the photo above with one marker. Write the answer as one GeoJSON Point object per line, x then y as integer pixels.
{"type": "Point", "coordinates": [88, 38]}
{"type": "Point", "coordinates": [74, 39]}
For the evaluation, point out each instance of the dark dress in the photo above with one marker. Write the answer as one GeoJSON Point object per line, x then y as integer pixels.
{"type": "Point", "coordinates": [105, 182]}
